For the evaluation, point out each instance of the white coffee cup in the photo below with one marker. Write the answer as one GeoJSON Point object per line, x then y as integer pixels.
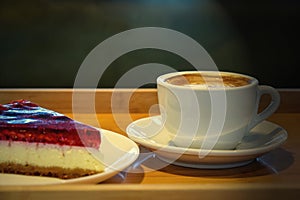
{"type": "Point", "coordinates": [211, 109]}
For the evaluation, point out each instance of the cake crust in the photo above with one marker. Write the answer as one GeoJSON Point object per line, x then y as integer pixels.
{"type": "Point", "coordinates": [33, 170]}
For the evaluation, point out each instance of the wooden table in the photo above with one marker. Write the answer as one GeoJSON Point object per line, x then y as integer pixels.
{"type": "Point", "coordinates": [277, 179]}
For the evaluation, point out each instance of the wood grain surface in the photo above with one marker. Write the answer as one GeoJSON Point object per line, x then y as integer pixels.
{"type": "Point", "coordinates": [277, 178]}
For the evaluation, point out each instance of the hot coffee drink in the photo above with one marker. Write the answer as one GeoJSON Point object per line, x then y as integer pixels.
{"type": "Point", "coordinates": [211, 109]}
{"type": "Point", "coordinates": [209, 80]}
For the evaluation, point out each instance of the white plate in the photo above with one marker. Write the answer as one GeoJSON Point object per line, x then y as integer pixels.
{"type": "Point", "coordinates": [149, 132]}
{"type": "Point", "coordinates": [119, 152]}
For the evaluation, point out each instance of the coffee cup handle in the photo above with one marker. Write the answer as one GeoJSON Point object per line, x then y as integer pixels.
{"type": "Point", "coordinates": [270, 109]}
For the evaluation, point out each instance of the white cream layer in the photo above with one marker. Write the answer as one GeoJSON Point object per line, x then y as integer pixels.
{"type": "Point", "coordinates": [49, 155]}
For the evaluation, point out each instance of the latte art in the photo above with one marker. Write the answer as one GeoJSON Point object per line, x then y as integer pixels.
{"type": "Point", "coordinates": [209, 81]}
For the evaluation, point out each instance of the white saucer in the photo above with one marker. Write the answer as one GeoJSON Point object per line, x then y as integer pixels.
{"type": "Point", "coordinates": [118, 153]}
{"type": "Point", "coordinates": [263, 138]}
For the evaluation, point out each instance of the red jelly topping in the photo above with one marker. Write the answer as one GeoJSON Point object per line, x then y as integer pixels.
{"type": "Point", "coordinates": [25, 121]}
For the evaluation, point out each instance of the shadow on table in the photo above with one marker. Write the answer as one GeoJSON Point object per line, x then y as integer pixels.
{"type": "Point", "coordinates": [132, 174]}
{"type": "Point", "coordinates": [271, 163]}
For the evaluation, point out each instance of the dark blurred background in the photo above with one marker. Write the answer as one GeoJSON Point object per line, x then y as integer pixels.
{"type": "Point", "coordinates": [44, 42]}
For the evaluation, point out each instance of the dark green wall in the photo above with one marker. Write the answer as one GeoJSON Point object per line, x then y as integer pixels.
{"type": "Point", "coordinates": [43, 43]}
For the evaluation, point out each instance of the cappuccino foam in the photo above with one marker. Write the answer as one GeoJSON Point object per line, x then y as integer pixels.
{"type": "Point", "coordinates": [209, 81]}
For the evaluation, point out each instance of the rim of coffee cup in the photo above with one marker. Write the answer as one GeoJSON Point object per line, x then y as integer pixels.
{"type": "Point", "coordinates": [162, 80]}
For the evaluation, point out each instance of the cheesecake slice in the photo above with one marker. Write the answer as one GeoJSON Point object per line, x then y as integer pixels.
{"type": "Point", "coordinates": [42, 142]}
